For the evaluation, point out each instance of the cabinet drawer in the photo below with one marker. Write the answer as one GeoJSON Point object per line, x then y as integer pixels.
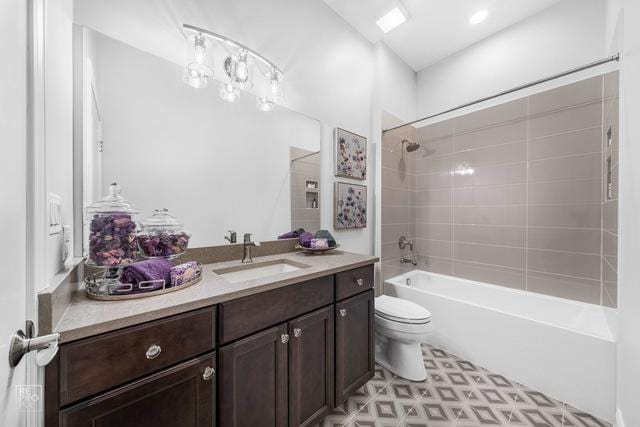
{"type": "Point", "coordinates": [95, 364]}
{"type": "Point", "coordinates": [354, 281]}
{"type": "Point", "coordinates": [180, 396]}
{"type": "Point", "coordinates": [241, 317]}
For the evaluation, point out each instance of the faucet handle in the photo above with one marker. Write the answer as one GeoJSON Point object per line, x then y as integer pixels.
{"type": "Point", "coordinates": [232, 237]}
{"type": "Point", "coordinates": [247, 237]}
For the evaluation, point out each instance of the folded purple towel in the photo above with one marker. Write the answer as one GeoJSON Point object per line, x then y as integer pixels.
{"type": "Point", "coordinates": [305, 239]}
{"type": "Point", "coordinates": [152, 269]}
{"type": "Point", "coordinates": [293, 234]}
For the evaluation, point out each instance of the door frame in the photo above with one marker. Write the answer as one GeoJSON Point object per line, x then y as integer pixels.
{"type": "Point", "coordinates": [36, 238]}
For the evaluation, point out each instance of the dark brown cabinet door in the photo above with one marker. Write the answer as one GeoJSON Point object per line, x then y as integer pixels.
{"type": "Point", "coordinates": [311, 367]}
{"type": "Point", "coordinates": [253, 380]}
{"type": "Point", "coordinates": [354, 344]}
{"type": "Point", "coordinates": [181, 396]}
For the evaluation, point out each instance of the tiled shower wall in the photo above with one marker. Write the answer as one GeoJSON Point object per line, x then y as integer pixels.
{"type": "Point", "coordinates": [304, 169]}
{"type": "Point", "coordinates": [514, 195]}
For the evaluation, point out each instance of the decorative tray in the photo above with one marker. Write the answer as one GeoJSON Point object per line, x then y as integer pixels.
{"type": "Point", "coordinates": [125, 291]}
{"type": "Point", "coordinates": [318, 250]}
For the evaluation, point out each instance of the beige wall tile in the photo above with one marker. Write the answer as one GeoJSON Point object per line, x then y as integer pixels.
{"type": "Point", "coordinates": [434, 181]}
{"type": "Point", "coordinates": [581, 92]}
{"type": "Point", "coordinates": [564, 287]}
{"type": "Point", "coordinates": [512, 194]}
{"type": "Point", "coordinates": [564, 239]}
{"type": "Point", "coordinates": [435, 147]}
{"type": "Point", "coordinates": [491, 215]}
{"type": "Point", "coordinates": [487, 254]}
{"type": "Point", "coordinates": [395, 215]}
{"type": "Point", "coordinates": [566, 216]}
{"type": "Point", "coordinates": [575, 167]}
{"type": "Point", "coordinates": [397, 179]}
{"type": "Point", "coordinates": [435, 214]}
{"type": "Point", "coordinates": [564, 263]}
{"type": "Point", "coordinates": [610, 294]}
{"type": "Point", "coordinates": [566, 144]}
{"type": "Point", "coordinates": [493, 135]}
{"type": "Point", "coordinates": [436, 248]}
{"type": "Point", "coordinates": [585, 116]}
{"type": "Point", "coordinates": [496, 155]}
{"type": "Point", "coordinates": [396, 197]}
{"type": "Point", "coordinates": [434, 197]}
{"type": "Point", "coordinates": [435, 164]}
{"type": "Point", "coordinates": [435, 131]}
{"type": "Point", "coordinates": [493, 175]}
{"type": "Point", "coordinates": [561, 192]}
{"type": "Point", "coordinates": [609, 244]}
{"type": "Point", "coordinates": [509, 277]}
{"type": "Point", "coordinates": [434, 231]}
{"type": "Point", "coordinates": [391, 232]}
{"type": "Point", "coordinates": [435, 265]}
{"type": "Point", "coordinates": [491, 235]}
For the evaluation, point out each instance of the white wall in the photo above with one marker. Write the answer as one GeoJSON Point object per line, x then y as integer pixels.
{"type": "Point", "coordinates": [567, 35]}
{"type": "Point", "coordinates": [59, 117]}
{"type": "Point", "coordinates": [328, 66]}
{"type": "Point", "coordinates": [626, 35]}
{"type": "Point", "coordinates": [398, 84]}
{"type": "Point", "coordinates": [214, 165]}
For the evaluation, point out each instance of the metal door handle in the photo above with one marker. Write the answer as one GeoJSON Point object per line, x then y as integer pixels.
{"type": "Point", "coordinates": [284, 338]}
{"type": "Point", "coordinates": [297, 332]}
{"type": "Point", "coordinates": [23, 343]}
{"type": "Point", "coordinates": [208, 373]}
{"type": "Point", "coordinates": [153, 351]}
{"type": "Point", "coordinates": [343, 312]}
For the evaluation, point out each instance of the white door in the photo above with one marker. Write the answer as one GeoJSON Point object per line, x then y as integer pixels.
{"type": "Point", "coordinates": [13, 207]}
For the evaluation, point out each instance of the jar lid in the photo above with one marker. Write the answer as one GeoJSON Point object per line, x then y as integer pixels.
{"type": "Point", "coordinates": [113, 202]}
{"type": "Point", "coordinates": [161, 220]}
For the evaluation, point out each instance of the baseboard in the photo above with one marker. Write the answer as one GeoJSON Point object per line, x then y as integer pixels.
{"type": "Point", "coordinates": [619, 420]}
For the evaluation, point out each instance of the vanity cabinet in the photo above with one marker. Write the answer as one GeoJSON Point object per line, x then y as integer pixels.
{"type": "Point", "coordinates": [253, 380]}
{"type": "Point", "coordinates": [281, 357]}
{"type": "Point", "coordinates": [180, 396]}
{"type": "Point", "coordinates": [354, 344]}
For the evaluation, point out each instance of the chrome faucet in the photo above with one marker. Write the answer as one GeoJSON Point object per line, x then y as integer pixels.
{"type": "Point", "coordinates": [231, 237]}
{"type": "Point", "coordinates": [403, 243]}
{"type": "Point", "coordinates": [247, 244]}
{"type": "Point", "coordinates": [405, 260]}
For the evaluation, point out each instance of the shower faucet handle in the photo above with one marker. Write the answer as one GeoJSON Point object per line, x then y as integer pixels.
{"type": "Point", "coordinates": [403, 243]}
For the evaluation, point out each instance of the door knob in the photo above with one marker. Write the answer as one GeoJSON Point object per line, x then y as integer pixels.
{"type": "Point", "coordinates": [297, 332]}
{"type": "Point", "coordinates": [343, 312]}
{"type": "Point", "coordinates": [22, 343]}
{"type": "Point", "coordinates": [153, 351]}
{"type": "Point", "coordinates": [284, 338]}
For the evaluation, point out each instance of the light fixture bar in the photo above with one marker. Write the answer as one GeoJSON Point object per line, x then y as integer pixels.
{"type": "Point", "coordinates": [233, 43]}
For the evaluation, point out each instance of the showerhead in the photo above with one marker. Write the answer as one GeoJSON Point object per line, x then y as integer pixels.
{"type": "Point", "coordinates": [410, 146]}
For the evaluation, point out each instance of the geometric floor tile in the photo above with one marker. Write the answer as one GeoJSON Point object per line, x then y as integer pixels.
{"type": "Point", "coordinates": [456, 393]}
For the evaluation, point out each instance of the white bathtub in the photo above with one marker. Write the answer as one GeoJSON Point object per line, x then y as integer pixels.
{"type": "Point", "coordinates": [563, 348]}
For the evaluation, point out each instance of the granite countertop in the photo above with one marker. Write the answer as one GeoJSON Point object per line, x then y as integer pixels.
{"type": "Point", "coordinates": [85, 317]}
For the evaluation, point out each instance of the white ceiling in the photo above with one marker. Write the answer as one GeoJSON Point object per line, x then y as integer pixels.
{"type": "Point", "coordinates": [436, 28]}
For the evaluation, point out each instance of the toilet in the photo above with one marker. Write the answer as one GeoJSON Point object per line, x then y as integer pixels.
{"type": "Point", "coordinates": [401, 326]}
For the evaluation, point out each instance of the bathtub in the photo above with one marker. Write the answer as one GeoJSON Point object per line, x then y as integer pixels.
{"type": "Point", "coordinates": [563, 348]}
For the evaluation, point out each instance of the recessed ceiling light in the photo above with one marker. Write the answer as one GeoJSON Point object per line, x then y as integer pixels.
{"type": "Point", "coordinates": [478, 17]}
{"type": "Point", "coordinates": [391, 20]}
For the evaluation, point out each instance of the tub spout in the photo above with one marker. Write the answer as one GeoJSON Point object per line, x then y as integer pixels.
{"type": "Point", "coordinates": [405, 260]}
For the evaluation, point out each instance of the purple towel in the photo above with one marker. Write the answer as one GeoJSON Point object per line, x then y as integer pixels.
{"type": "Point", "coordinates": [288, 235]}
{"type": "Point", "coordinates": [305, 239]}
{"type": "Point", "coordinates": [152, 269]}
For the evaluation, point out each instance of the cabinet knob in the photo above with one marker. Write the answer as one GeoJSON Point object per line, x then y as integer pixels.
{"type": "Point", "coordinates": [284, 338]}
{"type": "Point", "coordinates": [360, 282]}
{"type": "Point", "coordinates": [208, 373]}
{"type": "Point", "coordinates": [153, 351]}
{"type": "Point", "coordinates": [297, 332]}
{"type": "Point", "coordinates": [343, 312]}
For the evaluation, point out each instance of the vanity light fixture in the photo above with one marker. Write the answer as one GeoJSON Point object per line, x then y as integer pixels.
{"type": "Point", "coordinates": [392, 19]}
{"type": "Point", "coordinates": [239, 69]}
{"type": "Point", "coordinates": [478, 17]}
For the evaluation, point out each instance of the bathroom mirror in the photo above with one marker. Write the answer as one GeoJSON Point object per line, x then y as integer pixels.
{"type": "Point", "coordinates": [215, 165]}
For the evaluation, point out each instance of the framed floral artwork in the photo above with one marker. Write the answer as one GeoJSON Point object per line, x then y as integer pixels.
{"type": "Point", "coordinates": [351, 154]}
{"type": "Point", "coordinates": [350, 206]}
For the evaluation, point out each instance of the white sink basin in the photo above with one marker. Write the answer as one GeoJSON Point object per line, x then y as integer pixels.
{"type": "Point", "coordinates": [258, 270]}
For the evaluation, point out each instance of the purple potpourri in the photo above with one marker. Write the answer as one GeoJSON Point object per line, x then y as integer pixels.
{"type": "Point", "coordinates": [184, 273]}
{"type": "Point", "coordinates": [163, 244]}
{"type": "Point", "coordinates": [112, 239]}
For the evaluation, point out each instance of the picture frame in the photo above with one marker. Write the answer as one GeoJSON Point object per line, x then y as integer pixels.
{"type": "Point", "coordinates": [350, 206]}
{"type": "Point", "coordinates": [350, 155]}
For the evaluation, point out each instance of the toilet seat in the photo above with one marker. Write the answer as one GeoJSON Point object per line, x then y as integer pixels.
{"type": "Point", "coordinates": [401, 311]}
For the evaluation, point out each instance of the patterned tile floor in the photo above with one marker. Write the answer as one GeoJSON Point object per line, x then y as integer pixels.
{"type": "Point", "coordinates": [456, 393]}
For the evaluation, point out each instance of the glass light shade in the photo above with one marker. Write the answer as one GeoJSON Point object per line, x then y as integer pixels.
{"type": "Point", "coordinates": [228, 92]}
{"type": "Point", "coordinates": [199, 67]}
{"type": "Point", "coordinates": [276, 85]}
{"type": "Point", "coordinates": [264, 104]}
{"type": "Point", "coordinates": [239, 70]}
